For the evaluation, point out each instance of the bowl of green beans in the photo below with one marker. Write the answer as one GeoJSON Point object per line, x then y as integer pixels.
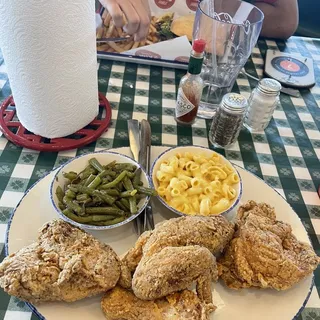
{"type": "Point", "coordinates": [100, 191]}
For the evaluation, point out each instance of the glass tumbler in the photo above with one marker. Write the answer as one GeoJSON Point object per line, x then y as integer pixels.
{"type": "Point", "coordinates": [231, 29]}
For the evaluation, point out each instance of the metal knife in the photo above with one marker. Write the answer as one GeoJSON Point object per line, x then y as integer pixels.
{"type": "Point", "coordinates": [134, 140]}
{"type": "Point", "coordinates": [144, 160]}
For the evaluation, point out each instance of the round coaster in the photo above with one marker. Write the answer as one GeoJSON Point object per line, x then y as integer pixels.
{"type": "Point", "coordinates": [19, 135]}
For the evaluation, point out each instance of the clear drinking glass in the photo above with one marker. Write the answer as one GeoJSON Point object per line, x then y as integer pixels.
{"type": "Point", "coordinates": [231, 29]}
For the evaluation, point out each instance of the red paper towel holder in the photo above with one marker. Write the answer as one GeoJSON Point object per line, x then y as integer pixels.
{"type": "Point", "coordinates": [15, 132]}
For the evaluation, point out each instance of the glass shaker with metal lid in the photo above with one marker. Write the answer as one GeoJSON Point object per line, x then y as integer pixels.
{"type": "Point", "coordinates": [262, 103]}
{"type": "Point", "coordinates": [228, 120]}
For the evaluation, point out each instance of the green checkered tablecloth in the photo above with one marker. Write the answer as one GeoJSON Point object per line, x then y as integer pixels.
{"type": "Point", "coordinates": [286, 155]}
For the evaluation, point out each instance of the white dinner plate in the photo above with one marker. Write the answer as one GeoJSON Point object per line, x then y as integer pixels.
{"type": "Point", "coordinates": [35, 209]}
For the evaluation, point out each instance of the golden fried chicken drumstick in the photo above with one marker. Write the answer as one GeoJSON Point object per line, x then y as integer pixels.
{"type": "Point", "coordinates": [65, 264]}
{"type": "Point", "coordinates": [212, 233]}
{"type": "Point", "coordinates": [264, 253]}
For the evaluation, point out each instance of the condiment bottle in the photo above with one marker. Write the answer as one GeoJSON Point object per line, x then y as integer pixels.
{"type": "Point", "coordinates": [228, 120]}
{"type": "Point", "coordinates": [191, 86]}
{"type": "Point", "coordinates": [262, 103]}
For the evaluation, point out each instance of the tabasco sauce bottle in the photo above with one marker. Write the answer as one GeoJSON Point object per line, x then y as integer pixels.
{"type": "Point", "coordinates": [191, 85]}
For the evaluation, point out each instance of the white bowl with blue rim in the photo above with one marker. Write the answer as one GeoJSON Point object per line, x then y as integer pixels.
{"type": "Point", "coordinates": [77, 165]}
{"type": "Point", "coordinates": [193, 150]}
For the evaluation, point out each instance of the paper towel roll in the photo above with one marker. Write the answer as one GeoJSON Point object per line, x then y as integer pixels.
{"type": "Point", "coordinates": [49, 49]}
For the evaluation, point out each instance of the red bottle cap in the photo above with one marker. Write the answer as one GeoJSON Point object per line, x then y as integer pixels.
{"type": "Point", "coordinates": [199, 45]}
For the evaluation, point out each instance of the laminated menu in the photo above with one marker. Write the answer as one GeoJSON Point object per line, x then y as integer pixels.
{"type": "Point", "coordinates": [169, 35]}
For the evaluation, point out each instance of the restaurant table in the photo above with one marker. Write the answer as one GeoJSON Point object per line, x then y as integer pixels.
{"type": "Point", "coordinates": [286, 155]}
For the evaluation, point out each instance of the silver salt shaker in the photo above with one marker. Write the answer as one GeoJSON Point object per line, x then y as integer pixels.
{"type": "Point", "coordinates": [228, 120]}
{"type": "Point", "coordinates": [262, 103]}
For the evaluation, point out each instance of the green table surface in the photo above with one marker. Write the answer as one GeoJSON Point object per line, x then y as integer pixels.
{"type": "Point", "coordinates": [286, 155]}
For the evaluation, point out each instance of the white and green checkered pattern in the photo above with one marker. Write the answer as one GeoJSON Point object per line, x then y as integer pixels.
{"type": "Point", "coordinates": [286, 155]}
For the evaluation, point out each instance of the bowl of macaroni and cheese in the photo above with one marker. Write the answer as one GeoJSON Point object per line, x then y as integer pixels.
{"type": "Point", "coordinates": [193, 180]}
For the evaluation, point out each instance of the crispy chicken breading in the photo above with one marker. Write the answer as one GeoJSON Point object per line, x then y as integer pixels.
{"type": "Point", "coordinates": [122, 304]}
{"type": "Point", "coordinates": [264, 252]}
{"type": "Point", "coordinates": [65, 264]}
{"type": "Point", "coordinates": [212, 233]}
{"type": "Point", "coordinates": [174, 269]}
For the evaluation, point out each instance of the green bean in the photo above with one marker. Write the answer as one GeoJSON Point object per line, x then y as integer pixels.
{"type": "Point", "coordinates": [104, 211]}
{"type": "Point", "coordinates": [120, 187]}
{"type": "Point", "coordinates": [70, 175]}
{"type": "Point", "coordinates": [110, 165]}
{"type": "Point", "coordinates": [70, 194]}
{"type": "Point", "coordinates": [96, 164]}
{"type": "Point", "coordinates": [81, 189]}
{"type": "Point", "coordinates": [147, 191]}
{"type": "Point", "coordinates": [130, 175]}
{"type": "Point", "coordinates": [109, 222]}
{"type": "Point", "coordinates": [97, 200]}
{"type": "Point", "coordinates": [112, 192]}
{"type": "Point", "coordinates": [117, 180]}
{"type": "Point", "coordinates": [125, 203]}
{"type": "Point", "coordinates": [88, 219]}
{"type": "Point", "coordinates": [133, 205]}
{"type": "Point", "coordinates": [59, 193]}
{"type": "Point", "coordinates": [121, 206]}
{"type": "Point", "coordinates": [106, 180]}
{"type": "Point", "coordinates": [103, 174]}
{"type": "Point", "coordinates": [72, 205]}
{"type": "Point", "coordinates": [77, 180]}
{"type": "Point", "coordinates": [114, 221]}
{"type": "Point", "coordinates": [127, 184]}
{"type": "Point", "coordinates": [67, 211]}
{"type": "Point", "coordinates": [112, 173]}
{"type": "Point", "coordinates": [89, 180]}
{"type": "Point", "coordinates": [95, 183]}
{"type": "Point", "coordinates": [87, 172]}
{"type": "Point", "coordinates": [127, 194]}
{"type": "Point", "coordinates": [61, 206]}
{"type": "Point", "coordinates": [104, 197]}
{"type": "Point", "coordinates": [106, 173]}
{"type": "Point", "coordinates": [125, 166]}
{"type": "Point", "coordinates": [86, 190]}
{"type": "Point", "coordinates": [83, 197]}
{"type": "Point", "coordinates": [74, 188]}
{"type": "Point", "coordinates": [136, 178]}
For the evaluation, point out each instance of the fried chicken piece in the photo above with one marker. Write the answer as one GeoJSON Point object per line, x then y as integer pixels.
{"type": "Point", "coordinates": [261, 216]}
{"type": "Point", "coordinates": [131, 259]}
{"type": "Point", "coordinates": [65, 264]}
{"type": "Point", "coordinates": [212, 233]}
{"type": "Point", "coordinates": [258, 209]}
{"type": "Point", "coordinates": [174, 269]}
{"type": "Point", "coordinates": [122, 304]}
{"type": "Point", "coordinates": [264, 252]}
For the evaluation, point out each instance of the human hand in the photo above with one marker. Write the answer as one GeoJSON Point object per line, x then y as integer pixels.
{"type": "Point", "coordinates": [136, 12]}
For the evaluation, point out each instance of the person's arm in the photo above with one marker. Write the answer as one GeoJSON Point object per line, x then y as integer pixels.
{"type": "Point", "coordinates": [280, 17]}
{"type": "Point", "coordinates": [136, 12]}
